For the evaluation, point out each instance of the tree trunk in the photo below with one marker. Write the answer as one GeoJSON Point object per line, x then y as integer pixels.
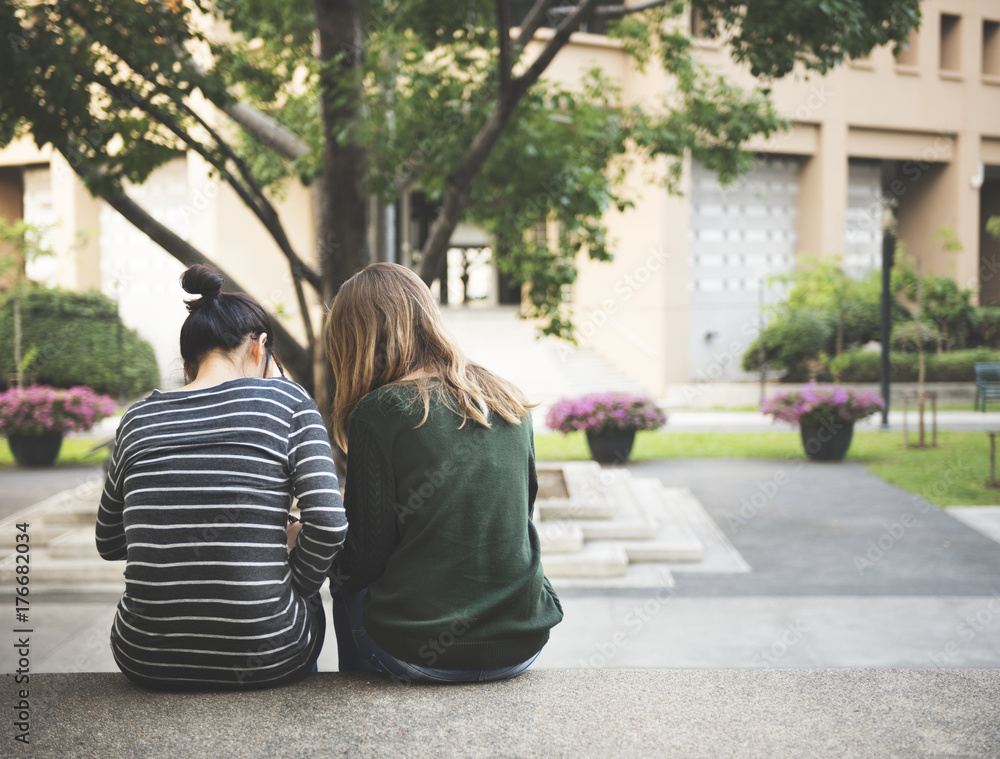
{"type": "Point", "coordinates": [18, 369]}
{"type": "Point", "coordinates": [921, 364]}
{"type": "Point", "coordinates": [342, 228]}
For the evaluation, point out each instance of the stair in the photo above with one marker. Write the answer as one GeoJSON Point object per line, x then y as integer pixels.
{"type": "Point", "coordinates": [605, 528]}
{"type": "Point", "coordinates": [611, 521]}
{"type": "Point", "coordinates": [63, 554]}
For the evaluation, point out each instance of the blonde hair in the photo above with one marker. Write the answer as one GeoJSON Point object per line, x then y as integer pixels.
{"type": "Point", "coordinates": [383, 326]}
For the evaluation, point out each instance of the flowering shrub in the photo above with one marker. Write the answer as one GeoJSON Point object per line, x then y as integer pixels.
{"type": "Point", "coordinates": [38, 409]}
{"type": "Point", "coordinates": [605, 412]}
{"type": "Point", "coordinates": [814, 404]}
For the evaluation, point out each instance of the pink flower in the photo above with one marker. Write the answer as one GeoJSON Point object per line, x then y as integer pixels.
{"type": "Point", "coordinates": [605, 412]}
{"type": "Point", "coordinates": [814, 403]}
{"type": "Point", "coordinates": [39, 409]}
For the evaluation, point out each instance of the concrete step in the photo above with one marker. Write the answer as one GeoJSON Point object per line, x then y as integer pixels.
{"type": "Point", "coordinates": [587, 494]}
{"type": "Point", "coordinates": [676, 540]}
{"type": "Point", "coordinates": [564, 508]}
{"type": "Point", "coordinates": [78, 543]}
{"type": "Point", "coordinates": [40, 534]}
{"type": "Point", "coordinates": [594, 561]}
{"type": "Point", "coordinates": [560, 537]}
{"type": "Point", "coordinates": [71, 514]}
{"type": "Point", "coordinates": [49, 570]}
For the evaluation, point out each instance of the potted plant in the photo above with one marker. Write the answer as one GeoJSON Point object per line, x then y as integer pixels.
{"type": "Point", "coordinates": [609, 419]}
{"type": "Point", "coordinates": [35, 418]}
{"type": "Point", "coordinates": [825, 414]}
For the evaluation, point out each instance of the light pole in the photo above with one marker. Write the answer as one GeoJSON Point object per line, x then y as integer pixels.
{"type": "Point", "coordinates": [888, 250]}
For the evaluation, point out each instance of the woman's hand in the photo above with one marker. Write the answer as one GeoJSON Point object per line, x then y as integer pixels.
{"type": "Point", "coordinates": [292, 531]}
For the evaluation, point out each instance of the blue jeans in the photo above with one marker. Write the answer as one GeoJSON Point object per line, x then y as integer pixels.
{"type": "Point", "coordinates": [359, 653]}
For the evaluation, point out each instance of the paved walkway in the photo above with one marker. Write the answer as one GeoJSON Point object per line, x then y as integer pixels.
{"type": "Point", "coordinates": [845, 571]}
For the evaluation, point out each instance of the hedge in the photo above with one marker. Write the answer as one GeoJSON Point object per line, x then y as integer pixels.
{"type": "Point", "coordinates": [954, 366]}
{"type": "Point", "coordinates": [75, 336]}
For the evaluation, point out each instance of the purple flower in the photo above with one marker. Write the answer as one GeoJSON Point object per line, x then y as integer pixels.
{"type": "Point", "coordinates": [605, 412]}
{"type": "Point", "coordinates": [38, 409]}
{"type": "Point", "coordinates": [815, 403]}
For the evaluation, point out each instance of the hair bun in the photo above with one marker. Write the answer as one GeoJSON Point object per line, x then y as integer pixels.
{"type": "Point", "coordinates": [200, 280]}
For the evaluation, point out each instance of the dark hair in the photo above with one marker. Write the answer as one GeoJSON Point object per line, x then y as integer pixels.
{"type": "Point", "coordinates": [217, 320]}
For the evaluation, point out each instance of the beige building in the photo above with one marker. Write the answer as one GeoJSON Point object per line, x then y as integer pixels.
{"type": "Point", "coordinates": [917, 136]}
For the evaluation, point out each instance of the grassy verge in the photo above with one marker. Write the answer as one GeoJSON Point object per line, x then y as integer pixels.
{"type": "Point", "coordinates": [74, 452]}
{"type": "Point", "coordinates": [952, 474]}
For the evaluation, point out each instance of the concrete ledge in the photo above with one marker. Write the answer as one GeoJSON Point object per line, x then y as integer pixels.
{"type": "Point", "coordinates": [545, 713]}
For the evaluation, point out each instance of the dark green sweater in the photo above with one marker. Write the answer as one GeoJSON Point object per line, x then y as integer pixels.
{"type": "Point", "coordinates": [440, 533]}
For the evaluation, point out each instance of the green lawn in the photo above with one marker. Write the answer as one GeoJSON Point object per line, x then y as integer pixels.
{"type": "Point", "coordinates": [952, 474]}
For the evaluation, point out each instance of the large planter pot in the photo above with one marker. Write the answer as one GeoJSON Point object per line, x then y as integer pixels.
{"type": "Point", "coordinates": [36, 450]}
{"type": "Point", "coordinates": [610, 447]}
{"type": "Point", "coordinates": [827, 442]}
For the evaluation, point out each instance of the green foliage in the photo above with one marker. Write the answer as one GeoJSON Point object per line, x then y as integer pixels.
{"type": "Point", "coordinates": [985, 326]}
{"type": "Point", "coordinates": [64, 85]}
{"type": "Point", "coordinates": [993, 227]}
{"type": "Point", "coordinates": [74, 341]}
{"type": "Point", "coordinates": [790, 341]}
{"type": "Point", "coordinates": [945, 305]}
{"type": "Point", "coordinates": [27, 242]}
{"type": "Point", "coordinates": [430, 83]}
{"type": "Point", "coordinates": [561, 159]}
{"type": "Point", "coordinates": [773, 36]}
{"type": "Point", "coordinates": [825, 313]}
{"type": "Point", "coordinates": [111, 83]}
{"type": "Point", "coordinates": [954, 366]}
{"type": "Point", "coordinates": [907, 336]}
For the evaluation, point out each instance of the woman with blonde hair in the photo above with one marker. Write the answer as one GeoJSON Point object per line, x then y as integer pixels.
{"type": "Point", "coordinates": [440, 579]}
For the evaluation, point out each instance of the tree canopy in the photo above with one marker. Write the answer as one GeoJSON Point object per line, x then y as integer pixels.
{"type": "Point", "coordinates": [379, 97]}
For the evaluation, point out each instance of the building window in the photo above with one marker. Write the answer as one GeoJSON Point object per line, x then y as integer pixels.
{"type": "Point", "coordinates": [698, 26]}
{"type": "Point", "coordinates": [908, 54]}
{"type": "Point", "coordinates": [951, 42]}
{"type": "Point", "coordinates": [991, 48]}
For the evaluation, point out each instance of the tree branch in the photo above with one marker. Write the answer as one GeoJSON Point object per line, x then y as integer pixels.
{"type": "Point", "coordinates": [296, 358]}
{"type": "Point", "coordinates": [264, 129]}
{"type": "Point", "coordinates": [556, 43]}
{"type": "Point", "coordinates": [614, 11]}
{"type": "Point", "coordinates": [254, 197]}
{"type": "Point", "coordinates": [533, 22]}
{"type": "Point", "coordinates": [459, 183]}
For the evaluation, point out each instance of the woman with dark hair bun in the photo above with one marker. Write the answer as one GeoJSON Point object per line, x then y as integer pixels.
{"type": "Point", "coordinates": [220, 590]}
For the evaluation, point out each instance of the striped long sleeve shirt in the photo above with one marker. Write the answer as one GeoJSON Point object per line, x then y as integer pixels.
{"type": "Point", "coordinates": [196, 501]}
